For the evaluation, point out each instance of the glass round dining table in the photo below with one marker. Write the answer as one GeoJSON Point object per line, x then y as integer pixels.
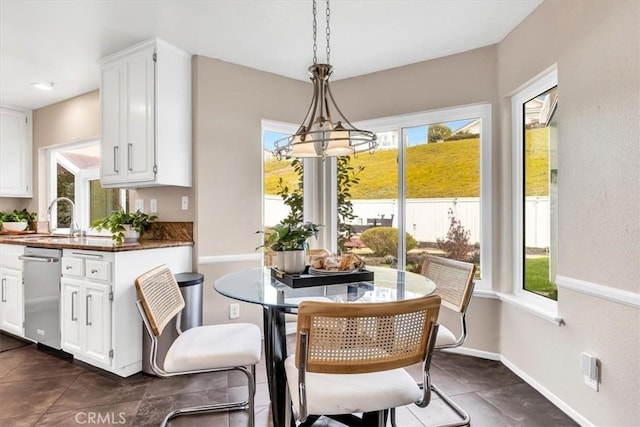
{"type": "Point", "coordinates": [256, 286]}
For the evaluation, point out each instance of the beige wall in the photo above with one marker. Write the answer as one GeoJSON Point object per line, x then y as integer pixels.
{"type": "Point", "coordinates": [230, 102]}
{"type": "Point", "coordinates": [72, 120]}
{"type": "Point", "coordinates": [596, 46]}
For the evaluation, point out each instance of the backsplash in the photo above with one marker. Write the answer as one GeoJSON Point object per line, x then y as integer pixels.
{"type": "Point", "coordinates": [182, 231]}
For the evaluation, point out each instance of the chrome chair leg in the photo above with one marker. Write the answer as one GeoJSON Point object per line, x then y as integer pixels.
{"type": "Point", "coordinates": [248, 404]}
{"type": "Point", "coordinates": [466, 419]}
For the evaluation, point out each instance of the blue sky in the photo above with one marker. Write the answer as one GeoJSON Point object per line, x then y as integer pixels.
{"type": "Point", "coordinates": [417, 135]}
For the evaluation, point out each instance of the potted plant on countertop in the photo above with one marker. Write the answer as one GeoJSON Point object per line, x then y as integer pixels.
{"type": "Point", "coordinates": [17, 221]}
{"type": "Point", "coordinates": [289, 241]}
{"type": "Point", "coordinates": [124, 226]}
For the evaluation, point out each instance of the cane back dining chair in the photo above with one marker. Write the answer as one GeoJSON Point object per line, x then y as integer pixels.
{"type": "Point", "coordinates": [454, 284]}
{"type": "Point", "coordinates": [350, 357]}
{"type": "Point", "coordinates": [199, 349]}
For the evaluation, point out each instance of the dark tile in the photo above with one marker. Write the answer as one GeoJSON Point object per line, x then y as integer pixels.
{"type": "Point", "coordinates": [475, 373]}
{"type": "Point", "coordinates": [186, 384]}
{"type": "Point", "coordinates": [93, 389]}
{"type": "Point", "coordinates": [8, 342]}
{"type": "Point", "coordinates": [482, 413]}
{"type": "Point", "coordinates": [43, 367]}
{"type": "Point", "coordinates": [526, 406]}
{"type": "Point", "coordinates": [28, 352]}
{"type": "Point", "coordinates": [121, 414]}
{"type": "Point", "coordinates": [21, 421]}
{"type": "Point", "coordinates": [237, 394]}
{"type": "Point", "coordinates": [9, 364]}
{"type": "Point", "coordinates": [31, 397]}
{"type": "Point", "coordinates": [446, 382]}
{"type": "Point", "coordinates": [152, 411]}
{"type": "Point", "coordinates": [219, 419]}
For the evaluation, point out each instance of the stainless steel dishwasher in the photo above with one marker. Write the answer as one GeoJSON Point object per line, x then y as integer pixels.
{"type": "Point", "coordinates": [41, 272]}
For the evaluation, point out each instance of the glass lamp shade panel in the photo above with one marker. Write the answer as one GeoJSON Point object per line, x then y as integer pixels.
{"type": "Point", "coordinates": [338, 144]}
{"type": "Point", "coordinates": [300, 148]}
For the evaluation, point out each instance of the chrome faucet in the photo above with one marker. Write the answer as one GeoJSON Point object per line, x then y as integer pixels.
{"type": "Point", "coordinates": [74, 229]}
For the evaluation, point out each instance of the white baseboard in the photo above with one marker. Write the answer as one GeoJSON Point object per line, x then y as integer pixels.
{"type": "Point", "coordinates": [466, 351]}
{"type": "Point", "coordinates": [223, 259]}
{"type": "Point", "coordinates": [561, 404]}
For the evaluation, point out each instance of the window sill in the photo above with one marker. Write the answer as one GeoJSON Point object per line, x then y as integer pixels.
{"type": "Point", "coordinates": [546, 314]}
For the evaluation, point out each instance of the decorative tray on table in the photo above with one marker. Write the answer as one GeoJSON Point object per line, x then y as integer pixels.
{"type": "Point", "coordinates": [317, 277]}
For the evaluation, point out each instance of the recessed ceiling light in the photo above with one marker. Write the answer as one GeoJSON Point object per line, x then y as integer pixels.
{"type": "Point", "coordinates": [42, 85]}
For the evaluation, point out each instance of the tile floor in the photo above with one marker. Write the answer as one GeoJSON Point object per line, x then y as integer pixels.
{"type": "Point", "coordinates": [40, 389]}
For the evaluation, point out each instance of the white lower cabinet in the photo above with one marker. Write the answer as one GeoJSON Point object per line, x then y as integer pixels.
{"type": "Point", "coordinates": [11, 310]}
{"type": "Point", "coordinates": [11, 290]}
{"type": "Point", "coordinates": [100, 323]}
{"type": "Point", "coordinates": [86, 321]}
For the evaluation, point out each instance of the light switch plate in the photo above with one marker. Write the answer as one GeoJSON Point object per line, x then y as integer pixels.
{"type": "Point", "coordinates": [139, 205]}
{"type": "Point", "coordinates": [153, 206]}
{"type": "Point", "coordinates": [185, 203]}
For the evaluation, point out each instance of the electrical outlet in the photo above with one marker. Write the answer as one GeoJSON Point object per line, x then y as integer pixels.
{"type": "Point", "coordinates": [153, 206]}
{"type": "Point", "coordinates": [185, 203]}
{"type": "Point", "coordinates": [139, 205]}
{"type": "Point", "coordinates": [234, 311]}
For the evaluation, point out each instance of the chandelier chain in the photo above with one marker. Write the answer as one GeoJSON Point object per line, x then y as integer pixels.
{"type": "Point", "coordinates": [315, 28]}
{"type": "Point", "coordinates": [328, 13]}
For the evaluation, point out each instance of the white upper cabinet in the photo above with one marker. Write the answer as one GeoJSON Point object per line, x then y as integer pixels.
{"type": "Point", "coordinates": [145, 98]}
{"type": "Point", "coordinates": [15, 153]}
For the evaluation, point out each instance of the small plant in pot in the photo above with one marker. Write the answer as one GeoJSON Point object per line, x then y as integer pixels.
{"type": "Point", "coordinates": [290, 242]}
{"type": "Point", "coordinates": [17, 220]}
{"type": "Point", "coordinates": [124, 226]}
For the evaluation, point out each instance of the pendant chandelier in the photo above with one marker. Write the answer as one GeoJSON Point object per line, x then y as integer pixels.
{"type": "Point", "coordinates": [325, 131]}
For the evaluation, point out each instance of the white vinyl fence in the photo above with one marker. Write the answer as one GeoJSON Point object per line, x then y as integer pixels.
{"type": "Point", "coordinates": [428, 220]}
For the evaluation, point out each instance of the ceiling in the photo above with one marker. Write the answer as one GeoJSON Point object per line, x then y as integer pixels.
{"type": "Point", "coordinates": [61, 41]}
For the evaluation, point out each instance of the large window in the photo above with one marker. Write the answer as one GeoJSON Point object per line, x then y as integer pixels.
{"type": "Point", "coordinates": [426, 190]}
{"type": "Point", "coordinates": [535, 115]}
{"type": "Point", "coordinates": [74, 172]}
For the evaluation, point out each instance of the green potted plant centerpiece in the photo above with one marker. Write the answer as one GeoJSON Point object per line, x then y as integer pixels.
{"type": "Point", "coordinates": [290, 243]}
{"type": "Point", "coordinates": [124, 226]}
{"type": "Point", "coordinates": [17, 220]}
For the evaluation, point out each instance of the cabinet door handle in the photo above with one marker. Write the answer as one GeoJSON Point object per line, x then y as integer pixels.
{"type": "Point", "coordinates": [94, 271]}
{"type": "Point", "coordinates": [68, 267]}
{"type": "Point", "coordinates": [4, 283]}
{"type": "Point", "coordinates": [84, 255]}
{"type": "Point", "coordinates": [74, 318]}
{"type": "Point", "coordinates": [88, 320]}
{"type": "Point", "coordinates": [129, 152]}
{"type": "Point", "coordinates": [115, 159]}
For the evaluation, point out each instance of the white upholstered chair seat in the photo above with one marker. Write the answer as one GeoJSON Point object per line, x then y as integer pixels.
{"type": "Point", "coordinates": [445, 337]}
{"type": "Point", "coordinates": [332, 394]}
{"type": "Point", "coordinates": [213, 347]}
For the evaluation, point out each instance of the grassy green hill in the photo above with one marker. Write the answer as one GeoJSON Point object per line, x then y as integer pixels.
{"type": "Point", "coordinates": [444, 169]}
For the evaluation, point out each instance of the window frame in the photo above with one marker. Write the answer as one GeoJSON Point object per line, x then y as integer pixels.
{"type": "Point", "coordinates": [481, 111]}
{"type": "Point", "coordinates": [537, 86]}
{"type": "Point", "coordinates": [325, 172]}
{"type": "Point", "coordinates": [82, 177]}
